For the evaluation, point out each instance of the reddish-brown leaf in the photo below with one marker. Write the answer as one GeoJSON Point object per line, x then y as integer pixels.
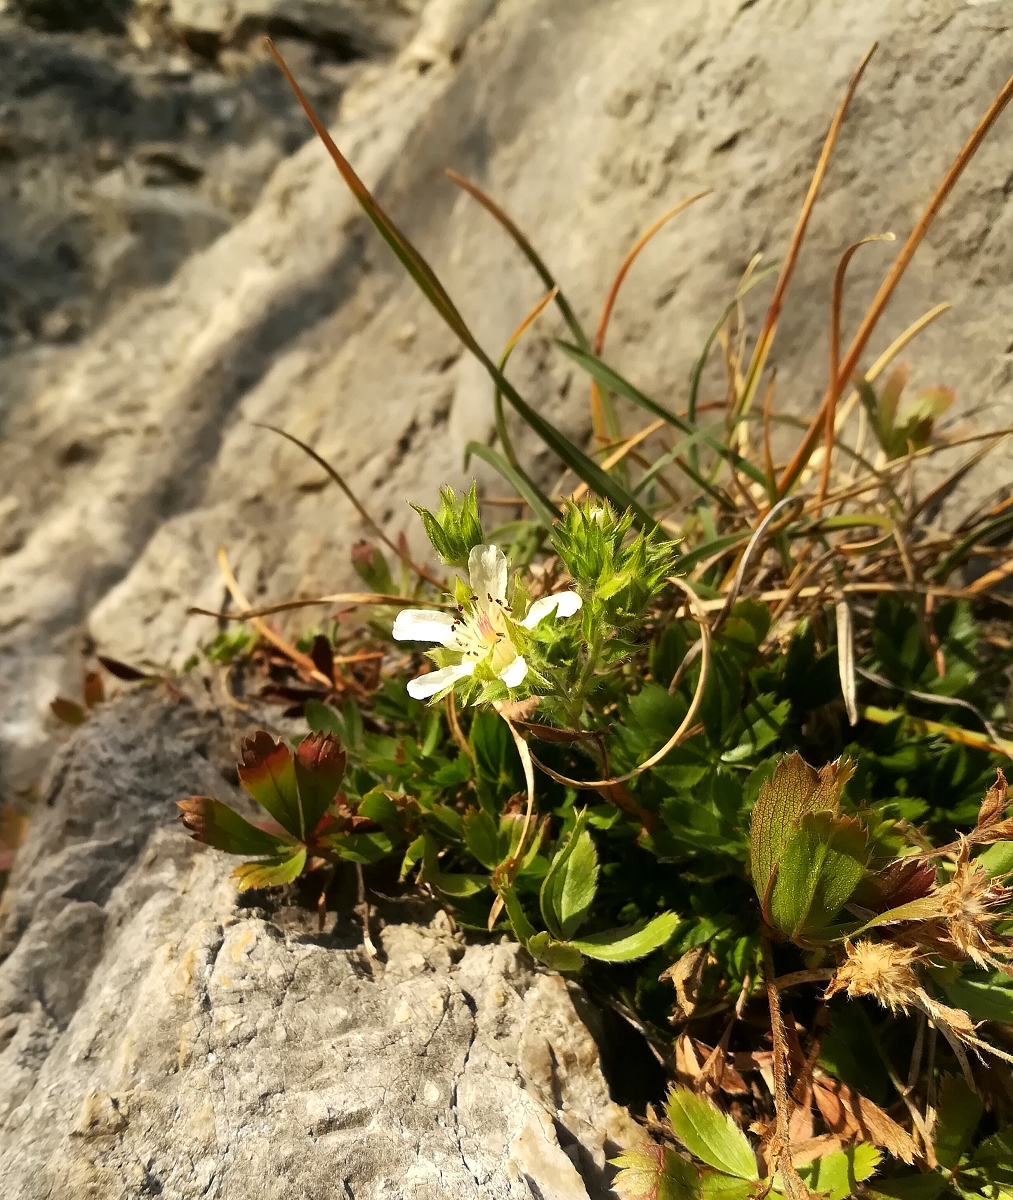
{"type": "Point", "coordinates": [319, 769]}
{"type": "Point", "coordinates": [93, 688]}
{"type": "Point", "coordinates": [904, 880]}
{"type": "Point", "coordinates": [268, 774]}
{"type": "Point", "coordinates": [322, 653]}
{"type": "Point", "coordinates": [121, 670]}
{"type": "Point", "coordinates": [68, 711]}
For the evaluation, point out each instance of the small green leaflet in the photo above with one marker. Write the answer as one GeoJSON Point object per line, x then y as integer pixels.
{"type": "Point", "coordinates": [710, 1134]}
{"type": "Point", "coordinates": [835, 1175]}
{"type": "Point", "coordinates": [270, 872]}
{"type": "Point", "coordinates": [559, 956]}
{"type": "Point", "coordinates": [565, 888]}
{"type": "Point", "coordinates": [820, 868]}
{"type": "Point", "coordinates": [625, 945]}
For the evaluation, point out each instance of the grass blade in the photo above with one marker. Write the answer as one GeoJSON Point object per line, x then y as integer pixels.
{"type": "Point", "coordinates": [543, 508]}
{"type": "Point", "coordinates": [433, 290]}
{"type": "Point", "coordinates": [515, 337]}
{"type": "Point", "coordinates": [889, 284]}
{"type": "Point", "coordinates": [767, 334]}
{"type": "Point", "coordinates": [526, 249]}
{"type": "Point", "coordinates": [602, 414]}
{"type": "Point", "coordinates": [410, 258]}
{"type": "Point", "coordinates": [680, 448]}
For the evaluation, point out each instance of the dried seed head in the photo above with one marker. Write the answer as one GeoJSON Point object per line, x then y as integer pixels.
{"type": "Point", "coordinates": [883, 970]}
{"type": "Point", "coordinates": [971, 903]}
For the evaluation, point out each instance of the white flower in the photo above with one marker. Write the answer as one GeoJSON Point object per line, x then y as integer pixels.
{"type": "Point", "coordinates": [480, 633]}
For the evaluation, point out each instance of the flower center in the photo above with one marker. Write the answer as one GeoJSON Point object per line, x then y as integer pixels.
{"type": "Point", "coordinates": [484, 631]}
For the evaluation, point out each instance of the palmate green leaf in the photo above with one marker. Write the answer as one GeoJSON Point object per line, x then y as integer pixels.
{"type": "Point", "coordinates": [782, 801]}
{"type": "Point", "coordinates": [215, 824]}
{"type": "Point", "coordinates": [995, 1157]}
{"type": "Point", "coordinates": [412, 857]}
{"type": "Point", "coordinates": [765, 718]}
{"type": "Point", "coordinates": [655, 1173]}
{"type": "Point", "coordinates": [270, 872]}
{"type": "Point", "coordinates": [821, 866]}
{"type": "Point", "coordinates": [537, 501]}
{"type": "Point", "coordinates": [319, 769]}
{"type": "Point", "coordinates": [714, 1186]}
{"type": "Point", "coordinates": [836, 1176]}
{"type": "Point", "coordinates": [710, 1134]}
{"type": "Point", "coordinates": [580, 882]}
{"type": "Point", "coordinates": [321, 718]}
{"type": "Point", "coordinates": [625, 945]}
{"type": "Point", "coordinates": [556, 955]}
{"type": "Point", "coordinates": [997, 859]}
{"type": "Point", "coordinates": [983, 999]}
{"type": "Point", "coordinates": [556, 880]}
{"type": "Point", "coordinates": [958, 1113]}
{"type": "Point", "coordinates": [267, 772]}
{"type": "Point", "coordinates": [362, 848]}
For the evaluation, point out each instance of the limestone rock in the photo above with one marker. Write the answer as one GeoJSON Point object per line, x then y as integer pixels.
{"type": "Point", "coordinates": [158, 1036]}
{"type": "Point", "coordinates": [586, 120]}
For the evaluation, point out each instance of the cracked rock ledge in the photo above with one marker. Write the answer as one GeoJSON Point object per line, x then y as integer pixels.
{"type": "Point", "coordinates": [158, 1038]}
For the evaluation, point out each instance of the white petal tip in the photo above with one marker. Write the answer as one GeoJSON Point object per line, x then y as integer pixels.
{"type": "Point", "coordinates": [514, 673]}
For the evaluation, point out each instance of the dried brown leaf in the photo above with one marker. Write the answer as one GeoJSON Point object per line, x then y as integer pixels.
{"type": "Point", "coordinates": [850, 1114]}
{"type": "Point", "coordinates": [685, 975]}
{"type": "Point", "coordinates": [995, 803]}
{"type": "Point", "coordinates": [68, 711]}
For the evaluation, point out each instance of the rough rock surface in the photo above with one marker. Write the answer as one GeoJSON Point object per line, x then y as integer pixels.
{"type": "Point", "coordinates": [127, 467]}
{"type": "Point", "coordinates": [158, 1038]}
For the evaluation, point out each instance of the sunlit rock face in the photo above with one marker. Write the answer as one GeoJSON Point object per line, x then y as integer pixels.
{"type": "Point", "coordinates": [209, 300]}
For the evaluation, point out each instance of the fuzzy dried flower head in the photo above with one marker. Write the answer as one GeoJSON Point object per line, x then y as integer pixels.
{"type": "Point", "coordinates": [971, 903]}
{"type": "Point", "coordinates": [882, 970]}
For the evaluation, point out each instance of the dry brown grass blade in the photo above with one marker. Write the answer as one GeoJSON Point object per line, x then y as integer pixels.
{"type": "Point", "coordinates": [836, 381]}
{"type": "Point", "coordinates": [266, 632]}
{"type": "Point", "coordinates": [766, 338]}
{"type": "Point", "coordinates": [597, 409]}
{"type": "Point", "coordinates": [889, 284]}
{"type": "Point", "coordinates": [363, 512]}
{"type": "Point", "coordinates": [768, 408]}
{"type": "Point", "coordinates": [992, 578]}
{"type": "Point", "coordinates": [455, 728]}
{"type": "Point", "coordinates": [351, 598]}
{"type": "Point", "coordinates": [684, 727]}
{"type": "Point", "coordinates": [780, 1143]}
{"type": "Point", "coordinates": [526, 758]}
{"type": "Point", "coordinates": [619, 454]}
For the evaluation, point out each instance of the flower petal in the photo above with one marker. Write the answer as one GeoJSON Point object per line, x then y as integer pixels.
{"type": "Point", "coordinates": [424, 686]}
{"type": "Point", "coordinates": [514, 672]}
{"type": "Point", "coordinates": [423, 625]}
{"type": "Point", "coordinates": [564, 604]}
{"type": "Point", "coordinates": [487, 569]}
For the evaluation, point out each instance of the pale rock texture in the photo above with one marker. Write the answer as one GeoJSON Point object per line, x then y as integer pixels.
{"type": "Point", "coordinates": [158, 1037]}
{"type": "Point", "coordinates": [586, 120]}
